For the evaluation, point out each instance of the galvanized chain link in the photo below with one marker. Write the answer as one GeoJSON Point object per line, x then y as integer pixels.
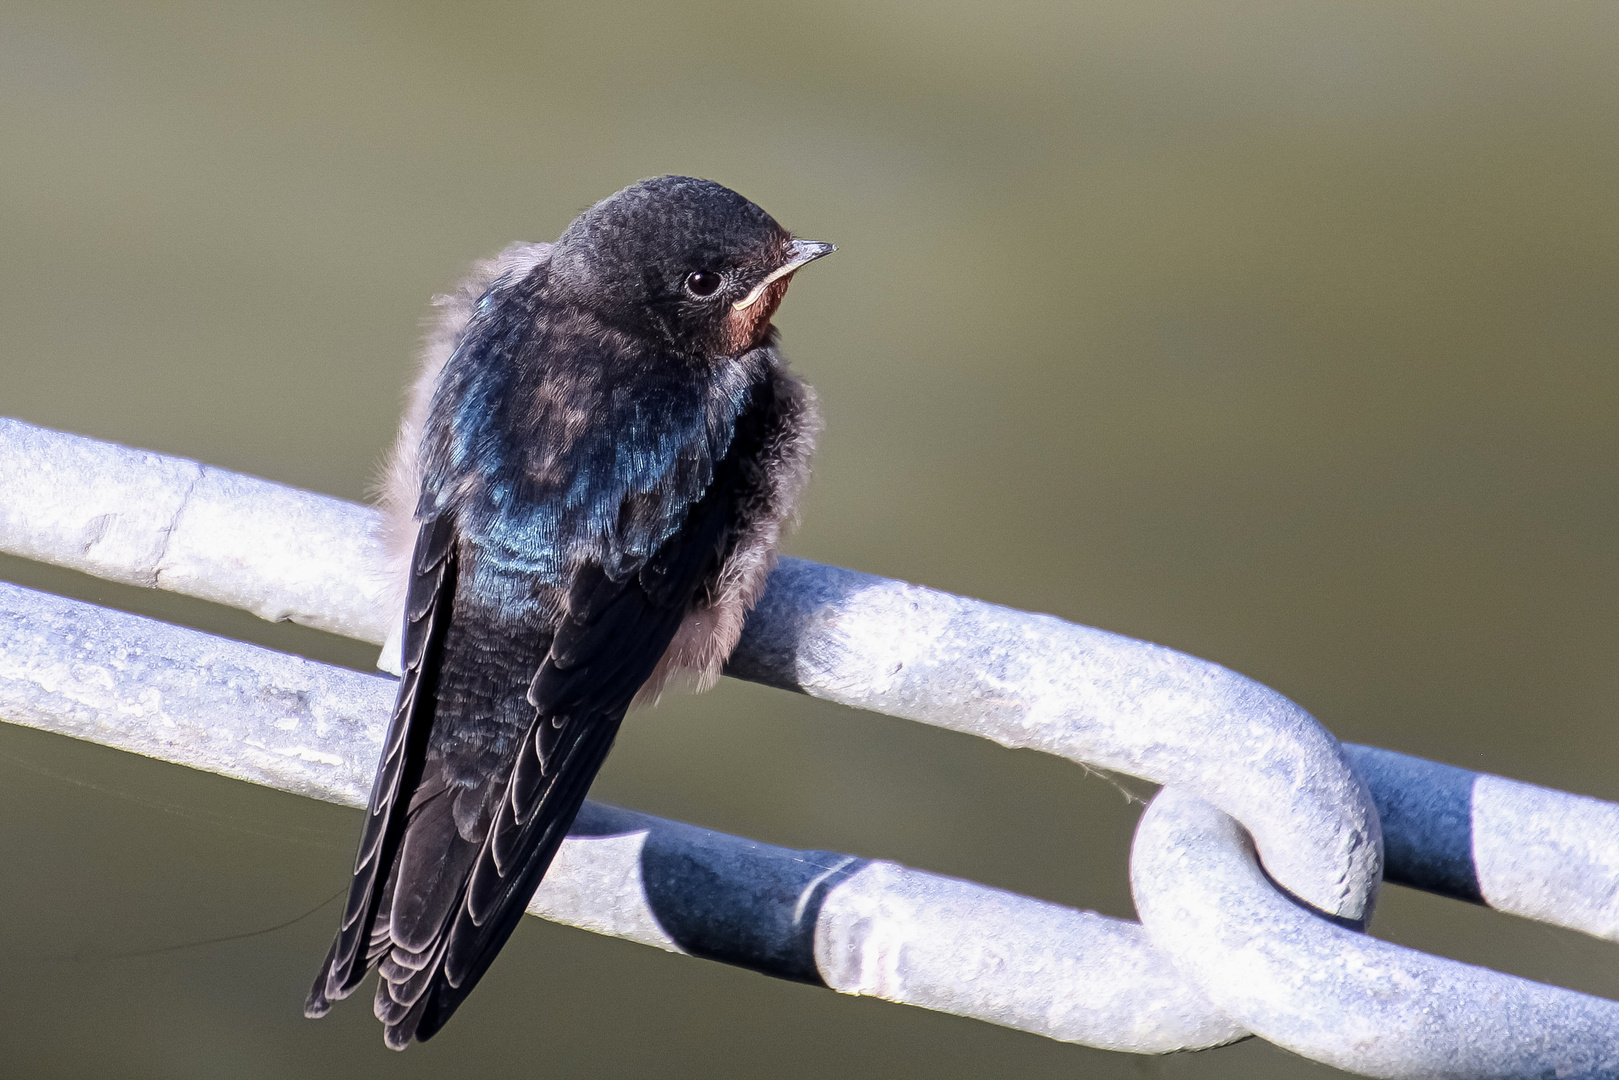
{"type": "Point", "coordinates": [1221, 949]}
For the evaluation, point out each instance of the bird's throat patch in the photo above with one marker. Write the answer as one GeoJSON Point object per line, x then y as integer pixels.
{"type": "Point", "coordinates": [747, 329]}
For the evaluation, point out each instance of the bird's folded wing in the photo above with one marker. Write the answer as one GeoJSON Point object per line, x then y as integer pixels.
{"type": "Point", "coordinates": [429, 599]}
{"type": "Point", "coordinates": [610, 641]}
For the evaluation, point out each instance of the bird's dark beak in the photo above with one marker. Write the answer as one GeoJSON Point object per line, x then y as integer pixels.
{"type": "Point", "coordinates": [799, 252]}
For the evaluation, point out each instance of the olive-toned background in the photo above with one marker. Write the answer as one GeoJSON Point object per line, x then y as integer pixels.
{"type": "Point", "coordinates": [1280, 333]}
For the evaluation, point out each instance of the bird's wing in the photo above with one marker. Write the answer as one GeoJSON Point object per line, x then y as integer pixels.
{"type": "Point", "coordinates": [429, 598]}
{"type": "Point", "coordinates": [611, 638]}
{"type": "Point", "coordinates": [431, 906]}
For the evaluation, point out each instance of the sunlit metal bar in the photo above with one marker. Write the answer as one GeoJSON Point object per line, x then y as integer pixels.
{"type": "Point", "coordinates": [1528, 850]}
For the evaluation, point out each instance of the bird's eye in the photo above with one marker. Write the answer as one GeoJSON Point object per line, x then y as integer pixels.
{"type": "Point", "coordinates": [703, 283]}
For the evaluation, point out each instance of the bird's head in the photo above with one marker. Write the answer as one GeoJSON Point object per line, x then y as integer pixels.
{"type": "Point", "coordinates": [686, 262]}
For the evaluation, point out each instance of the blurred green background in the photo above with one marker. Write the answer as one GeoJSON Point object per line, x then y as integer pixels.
{"type": "Point", "coordinates": [1280, 333]}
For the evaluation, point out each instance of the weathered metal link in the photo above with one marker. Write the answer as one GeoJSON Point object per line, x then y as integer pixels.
{"type": "Point", "coordinates": [1224, 949]}
{"type": "Point", "coordinates": [1104, 700]}
{"type": "Point", "coordinates": [1337, 996]}
{"type": "Point", "coordinates": [1011, 676]}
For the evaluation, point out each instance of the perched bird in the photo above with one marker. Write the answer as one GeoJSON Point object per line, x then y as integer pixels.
{"type": "Point", "coordinates": [587, 492]}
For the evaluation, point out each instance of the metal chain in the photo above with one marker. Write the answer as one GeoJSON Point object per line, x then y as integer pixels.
{"type": "Point", "coordinates": [1253, 871]}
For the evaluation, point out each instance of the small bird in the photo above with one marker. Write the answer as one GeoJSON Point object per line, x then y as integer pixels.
{"type": "Point", "coordinates": [585, 499]}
